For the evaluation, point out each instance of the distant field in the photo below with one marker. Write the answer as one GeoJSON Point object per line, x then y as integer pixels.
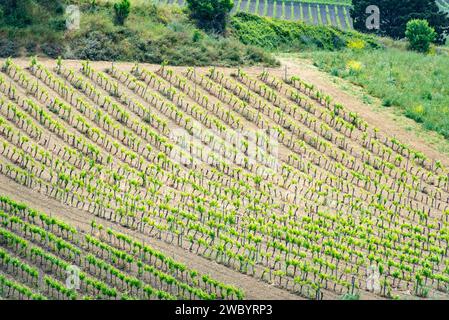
{"type": "Point", "coordinates": [321, 12]}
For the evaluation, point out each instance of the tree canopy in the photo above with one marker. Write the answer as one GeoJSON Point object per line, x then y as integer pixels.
{"type": "Point", "coordinates": [22, 13]}
{"type": "Point", "coordinates": [211, 15]}
{"type": "Point", "coordinates": [394, 16]}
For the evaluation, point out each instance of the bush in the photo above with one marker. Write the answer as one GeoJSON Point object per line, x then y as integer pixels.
{"type": "Point", "coordinates": [211, 15]}
{"type": "Point", "coordinates": [420, 35]}
{"type": "Point", "coordinates": [395, 76]}
{"type": "Point", "coordinates": [53, 50]}
{"type": "Point", "coordinates": [122, 10]}
{"type": "Point", "coordinates": [96, 45]}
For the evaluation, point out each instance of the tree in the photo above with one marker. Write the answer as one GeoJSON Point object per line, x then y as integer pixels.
{"type": "Point", "coordinates": [420, 35]}
{"type": "Point", "coordinates": [15, 13]}
{"type": "Point", "coordinates": [211, 15]}
{"type": "Point", "coordinates": [122, 10]}
{"type": "Point", "coordinates": [23, 13]}
{"type": "Point", "coordinates": [394, 16]}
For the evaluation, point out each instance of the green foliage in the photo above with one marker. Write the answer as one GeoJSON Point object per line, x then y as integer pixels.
{"type": "Point", "coordinates": [122, 10]}
{"type": "Point", "coordinates": [211, 15]}
{"type": "Point", "coordinates": [350, 296]}
{"type": "Point", "coordinates": [394, 16]}
{"type": "Point", "coordinates": [280, 35]}
{"type": "Point", "coordinates": [420, 35]}
{"type": "Point", "coordinates": [396, 77]}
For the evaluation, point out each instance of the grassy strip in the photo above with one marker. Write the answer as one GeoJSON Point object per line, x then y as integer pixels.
{"type": "Point", "coordinates": [396, 77]}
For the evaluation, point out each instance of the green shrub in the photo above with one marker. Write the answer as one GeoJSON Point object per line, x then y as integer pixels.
{"type": "Point", "coordinates": [96, 45]}
{"type": "Point", "coordinates": [197, 36]}
{"type": "Point", "coordinates": [152, 33]}
{"type": "Point", "coordinates": [420, 35]}
{"type": "Point", "coordinates": [122, 10]}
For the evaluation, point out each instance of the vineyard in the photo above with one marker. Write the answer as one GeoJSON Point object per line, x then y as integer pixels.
{"type": "Point", "coordinates": [254, 170]}
{"type": "Point", "coordinates": [316, 12]}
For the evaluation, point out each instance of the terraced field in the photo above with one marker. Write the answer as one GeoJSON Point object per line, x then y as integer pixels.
{"type": "Point", "coordinates": [325, 12]}
{"type": "Point", "coordinates": [172, 183]}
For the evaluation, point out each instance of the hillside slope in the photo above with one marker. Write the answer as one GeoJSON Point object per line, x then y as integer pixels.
{"type": "Point", "coordinates": [258, 170]}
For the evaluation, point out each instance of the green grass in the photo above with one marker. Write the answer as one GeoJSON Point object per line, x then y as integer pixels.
{"type": "Point", "coordinates": [416, 84]}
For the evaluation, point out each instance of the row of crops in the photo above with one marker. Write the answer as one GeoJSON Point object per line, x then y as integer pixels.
{"type": "Point", "coordinates": [323, 12]}
{"type": "Point", "coordinates": [330, 203]}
